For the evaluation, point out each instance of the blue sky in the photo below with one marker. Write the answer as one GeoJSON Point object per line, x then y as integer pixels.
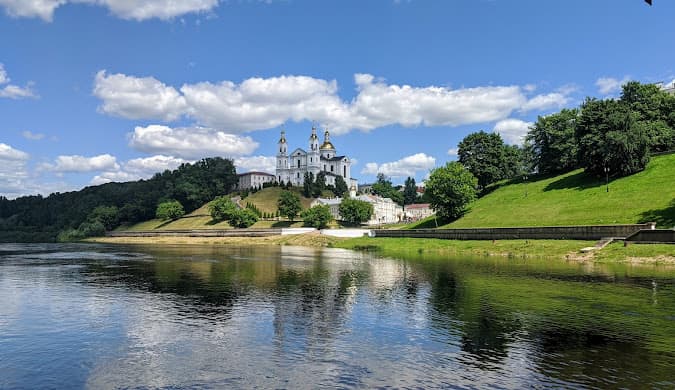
{"type": "Point", "coordinates": [113, 90]}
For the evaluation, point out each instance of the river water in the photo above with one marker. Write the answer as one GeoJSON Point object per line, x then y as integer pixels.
{"type": "Point", "coordinates": [96, 316]}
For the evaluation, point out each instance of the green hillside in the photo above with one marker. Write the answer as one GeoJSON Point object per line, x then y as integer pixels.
{"type": "Point", "coordinates": [266, 199]}
{"type": "Point", "coordinates": [578, 199]}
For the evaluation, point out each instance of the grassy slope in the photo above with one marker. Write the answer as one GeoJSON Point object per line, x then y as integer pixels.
{"type": "Point", "coordinates": [266, 199]}
{"type": "Point", "coordinates": [577, 199]}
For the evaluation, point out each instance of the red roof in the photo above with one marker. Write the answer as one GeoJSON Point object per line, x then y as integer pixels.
{"type": "Point", "coordinates": [417, 206]}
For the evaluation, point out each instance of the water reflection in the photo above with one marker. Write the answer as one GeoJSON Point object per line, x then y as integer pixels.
{"type": "Point", "coordinates": [204, 316]}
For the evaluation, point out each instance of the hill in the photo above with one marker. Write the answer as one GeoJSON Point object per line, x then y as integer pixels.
{"type": "Point", "coordinates": [266, 199]}
{"type": "Point", "coordinates": [576, 198]}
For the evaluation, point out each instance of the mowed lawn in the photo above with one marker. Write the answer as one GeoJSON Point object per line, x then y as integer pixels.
{"type": "Point", "coordinates": [266, 199]}
{"type": "Point", "coordinates": [578, 199]}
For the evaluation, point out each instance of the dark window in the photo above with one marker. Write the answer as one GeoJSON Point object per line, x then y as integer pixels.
{"type": "Point", "coordinates": [331, 168]}
{"type": "Point", "coordinates": [298, 165]}
{"type": "Point", "coordinates": [324, 167]}
{"type": "Point", "coordinates": [298, 175]}
{"type": "Point", "coordinates": [344, 169]}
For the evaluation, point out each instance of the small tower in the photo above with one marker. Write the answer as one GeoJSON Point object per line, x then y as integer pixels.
{"type": "Point", "coordinates": [327, 149]}
{"type": "Point", "coordinates": [313, 156]}
{"type": "Point", "coordinates": [282, 158]}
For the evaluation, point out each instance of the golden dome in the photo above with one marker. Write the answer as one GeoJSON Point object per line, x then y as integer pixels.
{"type": "Point", "coordinates": [327, 145]}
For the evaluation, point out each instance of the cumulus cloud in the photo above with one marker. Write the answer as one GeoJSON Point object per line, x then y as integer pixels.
{"type": "Point", "coordinates": [263, 103]}
{"type": "Point", "coordinates": [407, 166]}
{"type": "Point", "coordinates": [14, 91]}
{"type": "Point", "coordinates": [9, 153]}
{"type": "Point", "coordinates": [190, 142]}
{"type": "Point", "coordinates": [546, 101]}
{"type": "Point", "coordinates": [13, 171]}
{"type": "Point", "coordinates": [608, 85]}
{"type": "Point", "coordinates": [125, 9]}
{"type": "Point", "coordinates": [75, 163]}
{"type": "Point", "coordinates": [32, 136]}
{"type": "Point", "coordinates": [513, 131]}
{"type": "Point", "coordinates": [139, 168]}
{"type": "Point", "coordinates": [255, 163]}
{"type": "Point", "coordinates": [137, 97]}
{"type": "Point", "coordinates": [453, 151]}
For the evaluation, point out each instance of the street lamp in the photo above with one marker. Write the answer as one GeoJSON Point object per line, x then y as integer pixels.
{"type": "Point", "coordinates": [606, 169]}
{"type": "Point", "coordinates": [525, 183]}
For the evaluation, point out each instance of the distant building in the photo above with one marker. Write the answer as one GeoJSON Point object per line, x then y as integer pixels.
{"type": "Point", "coordinates": [254, 179]}
{"type": "Point", "coordinates": [385, 210]}
{"type": "Point", "coordinates": [414, 212]}
{"type": "Point", "coordinates": [320, 158]}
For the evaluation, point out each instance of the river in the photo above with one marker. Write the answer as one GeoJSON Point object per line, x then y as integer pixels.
{"type": "Point", "coordinates": [101, 316]}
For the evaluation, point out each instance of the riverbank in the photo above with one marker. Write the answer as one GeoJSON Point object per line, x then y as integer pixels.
{"type": "Point", "coordinates": [314, 239]}
{"type": "Point", "coordinates": [550, 249]}
{"type": "Point", "coordinates": [404, 247]}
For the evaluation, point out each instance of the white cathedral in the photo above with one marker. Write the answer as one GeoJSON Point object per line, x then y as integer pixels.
{"type": "Point", "coordinates": [322, 158]}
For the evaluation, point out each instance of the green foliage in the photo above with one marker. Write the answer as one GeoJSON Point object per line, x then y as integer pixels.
{"type": "Point", "coordinates": [317, 216]}
{"type": "Point", "coordinates": [307, 184]}
{"type": "Point", "coordinates": [610, 136]}
{"type": "Point", "coordinates": [552, 142]}
{"type": "Point", "coordinates": [243, 218]}
{"type": "Point", "coordinates": [355, 211]}
{"type": "Point", "coordinates": [319, 184]}
{"type": "Point", "coordinates": [222, 208]}
{"type": "Point", "coordinates": [410, 191]}
{"type": "Point", "coordinates": [484, 155]}
{"type": "Point", "coordinates": [655, 110]}
{"type": "Point", "coordinates": [451, 189]}
{"type": "Point", "coordinates": [108, 216]}
{"type": "Point", "coordinates": [253, 208]}
{"type": "Point", "coordinates": [90, 228]}
{"type": "Point", "coordinates": [385, 189]}
{"type": "Point", "coordinates": [340, 187]}
{"type": "Point", "coordinates": [289, 204]}
{"type": "Point", "coordinates": [169, 210]}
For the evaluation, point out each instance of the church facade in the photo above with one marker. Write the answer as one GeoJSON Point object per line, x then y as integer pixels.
{"type": "Point", "coordinates": [318, 158]}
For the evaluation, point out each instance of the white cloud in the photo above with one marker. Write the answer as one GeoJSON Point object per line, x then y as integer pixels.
{"type": "Point", "coordinates": [125, 9]}
{"type": "Point", "coordinates": [14, 91]}
{"type": "Point", "coordinates": [139, 168]}
{"type": "Point", "coordinates": [546, 101]}
{"type": "Point", "coordinates": [9, 153]}
{"type": "Point", "coordinates": [190, 142]}
{"type": "Point", "coordinates": [264, 103]}
{"type": "Point", "coordinates": [453, 151]}
{"type": "Point", "coordinates": [608, 85]}
{"type": "Point", "coordinates": [75, 163]}
{"type": "Point", "coordinates": [137, 97]}
{"type": "Point", "coordinates": [407, 166]}
{"type": "Point", "coordinates": [513, 131]}
{"type": "Point", "coordinates": [255, 163]}
{"type": "Point", "coordinates": [32, 136]}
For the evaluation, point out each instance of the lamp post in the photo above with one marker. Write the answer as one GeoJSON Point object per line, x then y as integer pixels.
{"type": "Point", "coordinates": [525, 183]}
{"type": "Point", "coordinates": [606, 169]}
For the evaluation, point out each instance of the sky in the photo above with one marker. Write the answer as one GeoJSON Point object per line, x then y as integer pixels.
{"type": "Point", "coordinates": [93, 91]}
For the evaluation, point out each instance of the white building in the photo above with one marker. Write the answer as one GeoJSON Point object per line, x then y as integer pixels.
{"type": "Point", "coordinates": [250, 180]}
{"type": "Point", "coordinates": [385, 210]}
{"type": "Point", "coordinates": [417, 211]}
{"type": "Point", "coordinates": [292, 167]}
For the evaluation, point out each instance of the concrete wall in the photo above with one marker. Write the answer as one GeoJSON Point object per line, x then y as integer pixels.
{"type": "Point", "coordinates": [199, 233]}
{"type": "Point", "coordinates": [595, 232]}
{"type": "Point", "coordinates": [663, 236]}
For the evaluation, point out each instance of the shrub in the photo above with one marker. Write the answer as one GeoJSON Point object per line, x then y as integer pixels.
{"type": "Point", "coordinates": [317, 216]}
{"type": "Point", "coordinates": [243, 218]}
{"type": "Point", "coordinates": [222, 208]}
{"type": "Point", "coordinates": [170, 210]}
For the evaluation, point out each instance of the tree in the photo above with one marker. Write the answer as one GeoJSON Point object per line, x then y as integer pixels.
{"type": "Point", "coordinates": [655, 110]}
{"type": "Point", "coordinates": [610, 137]}
{"type": "Point", "coordinates": [222, 208]}
{"type": "Point", "coordinates": [242, 218]}
{"type": "Point", "coordinates": [355, 211]}
{"type": "Point", "coordinates": [340, 187]}
{"type": "Point", "coordinates": [289, 204]}
{"type": "Point", "coordinates": [410, 191]}
{"type": "Point", "coordinates": [319, 184]}
{"type": "Point", "coordinates": [385, 189]}
{"type": "Point", "coordinates": [451, 189]}
{"type": "Point", "coordinates": [307, 184]}
{"type": "Point", "coordinates": [552, 142]}
{"type": "Point", "coordinates": [317, 216]}
{"type": "Point", "coordinates": [483, 155]}
{"type": "Point", "coordinates": [169, 210]}
{"type": "Point", "coordinates": [108, 216]}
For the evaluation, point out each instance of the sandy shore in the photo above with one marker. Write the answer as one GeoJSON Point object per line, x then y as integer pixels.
{"type": "Point", "coordinates": [309, 239]}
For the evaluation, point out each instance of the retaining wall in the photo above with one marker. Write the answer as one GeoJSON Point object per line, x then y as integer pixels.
{"type": "Point", "coordinates": [198, 233]}
{"type": "Point", "coordinates": [657, 236]}
{"type": "Point", "coordinates": [593, 232]}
